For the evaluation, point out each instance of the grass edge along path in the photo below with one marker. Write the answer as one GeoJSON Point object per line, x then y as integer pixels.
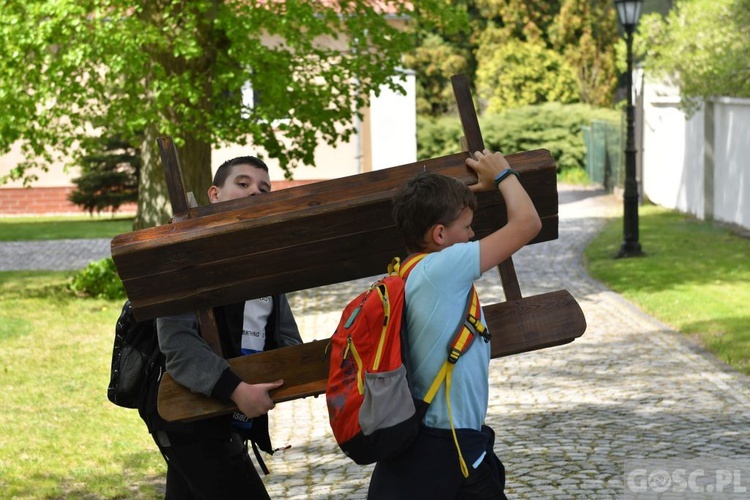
{"type": "Point", "coordinates": [695, 277]}
{"type": "Point", "coordinates": [64, 227]}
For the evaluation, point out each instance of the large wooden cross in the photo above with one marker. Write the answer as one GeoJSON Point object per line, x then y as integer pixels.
{"type": "Point", "coordinates": [314, 235]}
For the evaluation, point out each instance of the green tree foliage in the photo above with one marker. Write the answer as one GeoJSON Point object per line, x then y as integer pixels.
{"type": "Point", "coordinates": [530, 51]}
{"type": "Point", "coordinates": [516, 65]}
{"type": "Point", "coordinates": [434, 61]}
{"type": "Point", "coordinates": [585, 33]}
{"type": "Point", "coordinates": [513, 73]}
{"type": "Point", "coordinates": [109, 175]}
{"type": "Point", "coordinates": [177, 68]}
{"type": "Point", "coordinates": [442, 53]}
{"type": "Point", "coordinates": [702, 46]}
{"type": "Point", "coordinates": [525, 20]}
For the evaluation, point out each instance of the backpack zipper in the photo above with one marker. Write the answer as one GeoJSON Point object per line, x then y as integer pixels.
{"type": "Point", "coordinates": [350, 348]}
{"type": "Point", "coordinates": [383, 293]}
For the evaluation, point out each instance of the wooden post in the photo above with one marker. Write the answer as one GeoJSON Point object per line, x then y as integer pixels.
{"type": "Point", "coordinates": [474, 143]}
{"type": "Point", "coordinates": [181, 203]}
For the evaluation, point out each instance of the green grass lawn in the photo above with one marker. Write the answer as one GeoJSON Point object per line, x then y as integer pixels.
{"type": "Point", "coordinates": [59, 435]}
{"type": "Point", "coordinates": [55, 228]}
{"type": "Point", "coordinates": [695, 277]}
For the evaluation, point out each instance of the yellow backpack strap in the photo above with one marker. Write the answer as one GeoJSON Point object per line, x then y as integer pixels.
{"type": "Point", "coordinates": [394, 266]}
{"type": "Point", "coordinates": [471, 327]}
{"type": "Point", "coordinates": [461, 342]}
{"type": "Point", "coordinates": [404, 268]}
{"type": "Point", "coordinates": [464, 338]}
{"type": "Point", "coordinates": [448, 379]}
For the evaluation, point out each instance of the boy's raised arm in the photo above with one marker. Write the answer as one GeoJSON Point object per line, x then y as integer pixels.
{"type": "Point", "coordinates": [523, 220]}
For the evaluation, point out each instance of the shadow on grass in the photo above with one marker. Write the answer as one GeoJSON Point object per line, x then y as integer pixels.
{"type": "Point", "coordinates": [35, 284]}
{"type": "Point", "coordinates": [13, 327]}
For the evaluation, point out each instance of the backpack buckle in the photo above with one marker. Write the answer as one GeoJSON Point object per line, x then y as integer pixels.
{"type": "Point", "coordinates": [477, 328]}
{"type": "Point", "coordinates": [453, 355]}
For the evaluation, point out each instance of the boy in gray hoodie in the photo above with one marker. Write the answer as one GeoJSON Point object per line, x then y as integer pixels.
{"type": "Point", "coordinates": [209, 458]}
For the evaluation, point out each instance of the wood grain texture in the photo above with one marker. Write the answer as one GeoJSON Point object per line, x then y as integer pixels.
{"type": "Point", "coordinates": [173, 173]}
{"type": "Point", "coordinates": [298, 238]}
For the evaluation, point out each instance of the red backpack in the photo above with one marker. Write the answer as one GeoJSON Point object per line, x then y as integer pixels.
{"type": "Point", "coordinates": [371, 409]}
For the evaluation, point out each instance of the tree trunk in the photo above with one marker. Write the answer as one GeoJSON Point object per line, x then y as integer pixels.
{"type": "Point", "coordinates": [153, 199]}
{"type": "Point", "coordinates": [193, 148]}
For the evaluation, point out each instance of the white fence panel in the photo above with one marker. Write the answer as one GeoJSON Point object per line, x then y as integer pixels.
{"type": "Point", "coordinates": [732, 161]}
{"type": "Point", "coordinates": [698, 164]}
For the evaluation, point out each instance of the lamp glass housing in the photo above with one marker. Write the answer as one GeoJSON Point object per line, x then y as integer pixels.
{"type": "Point", "coordinates": [629, 12]}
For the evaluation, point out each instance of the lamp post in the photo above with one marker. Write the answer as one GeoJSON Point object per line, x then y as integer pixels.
{"type": "Point", "coordinates": [629, 11]}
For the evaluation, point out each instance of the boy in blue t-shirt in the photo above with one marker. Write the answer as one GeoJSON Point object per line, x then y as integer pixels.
{"type": "Point", "coordinates": [434, 214]}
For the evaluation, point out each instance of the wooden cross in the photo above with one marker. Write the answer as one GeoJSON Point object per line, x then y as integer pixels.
{"type": "Point", "coordinates": [314, 235]}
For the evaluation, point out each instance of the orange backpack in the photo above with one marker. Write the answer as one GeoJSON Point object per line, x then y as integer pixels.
{"type": "Point", "coordinates": [371, 409]}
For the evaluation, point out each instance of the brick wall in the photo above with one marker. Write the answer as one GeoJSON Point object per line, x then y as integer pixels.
{"type": "Point", "coordinates": [43, 200]}
{"type": "Point", "coordinates": [54, 200]}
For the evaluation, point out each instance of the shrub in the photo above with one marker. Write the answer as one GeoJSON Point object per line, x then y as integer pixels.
{"type": "Point", "coordinates": [99, 279]}
{"type": "Point", "coordinates": [437, 136]}
{"type": "Point", "coordinates": [553, 126]}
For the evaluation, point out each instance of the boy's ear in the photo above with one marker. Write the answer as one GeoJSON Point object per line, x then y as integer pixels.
{"type": "Point", "coordinates": [437, 234]}
{"type": "Point", "coordinates": [213, 194]}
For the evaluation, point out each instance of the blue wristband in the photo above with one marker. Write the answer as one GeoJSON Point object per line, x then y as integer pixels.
{"type": "Point", "coordinates": [504, 174]}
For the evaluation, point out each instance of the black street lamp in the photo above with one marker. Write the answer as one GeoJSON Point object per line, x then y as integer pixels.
{"type": "Point", "coordinates": [629, 11]}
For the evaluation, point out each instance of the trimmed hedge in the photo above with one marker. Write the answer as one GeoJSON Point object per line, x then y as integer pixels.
{"type": "Point", "coordinates": [552, 126]}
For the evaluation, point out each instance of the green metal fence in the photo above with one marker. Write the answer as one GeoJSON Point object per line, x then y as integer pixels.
{"type": "Point", "coordinates": [605, 162]}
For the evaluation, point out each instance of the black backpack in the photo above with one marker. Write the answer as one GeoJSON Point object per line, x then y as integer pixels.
{"type": "Point", "coordinates": [134, 356]}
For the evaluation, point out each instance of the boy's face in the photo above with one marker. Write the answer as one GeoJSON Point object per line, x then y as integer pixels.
{"type": "Point", "coordinates": [243, 180]}
{"type": "Point", "coordinates": [458, 231]}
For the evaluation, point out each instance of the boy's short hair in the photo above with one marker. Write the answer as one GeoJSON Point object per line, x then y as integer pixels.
{"type": "Point", "coordinates": [220, 177]}
{"type": "Point", "coordinates": [428, 199]}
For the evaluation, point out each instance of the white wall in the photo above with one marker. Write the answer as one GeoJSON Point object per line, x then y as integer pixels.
{"type": "Point", "coordinates": [683, 155]}
{"type": "Point", "coordinates": [389, 136]}
{"type": "Point", "coordinates": [393, 125]}
{"type": "Point", "coordinates": [331, 161]}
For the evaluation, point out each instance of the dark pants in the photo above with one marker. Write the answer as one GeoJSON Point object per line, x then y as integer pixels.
{"type": "Point", "coordinates": [207, 468]}
{"type": "Point", "coordinates": [430, 469]}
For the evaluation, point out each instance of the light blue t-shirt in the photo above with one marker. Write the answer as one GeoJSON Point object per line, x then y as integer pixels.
{"type": "Point", "coordinates": [436, 294]}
